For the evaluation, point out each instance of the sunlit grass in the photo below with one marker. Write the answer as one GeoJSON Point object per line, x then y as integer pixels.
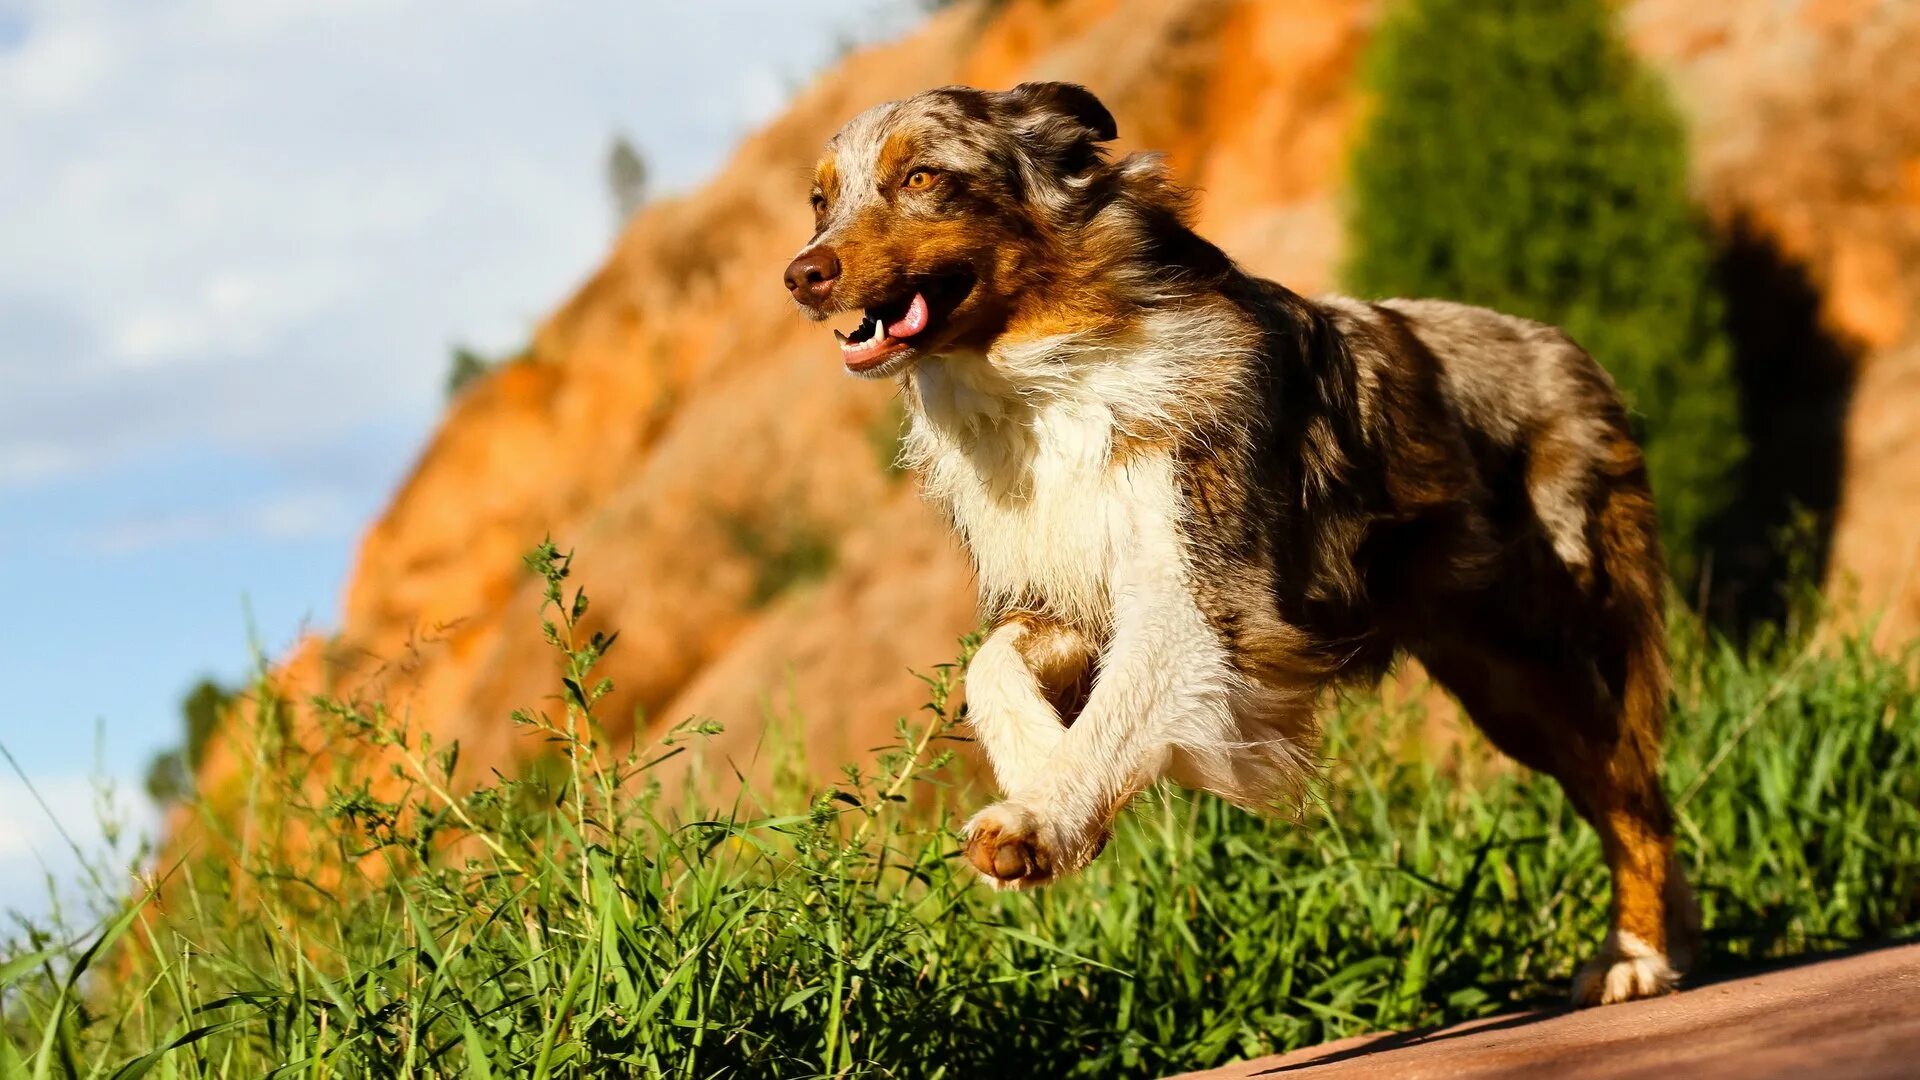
{"type": "Point", "coordinates": [577, 923]}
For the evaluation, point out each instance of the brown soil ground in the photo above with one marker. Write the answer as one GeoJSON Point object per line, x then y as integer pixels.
{"type": "Point", "coordinates": [1855, 1016]}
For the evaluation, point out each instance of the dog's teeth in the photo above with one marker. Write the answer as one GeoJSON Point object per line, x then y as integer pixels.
{"type": "Point", "coordinates": [861, 337]}
{"type": "Point", "coordinates": [839, 337]}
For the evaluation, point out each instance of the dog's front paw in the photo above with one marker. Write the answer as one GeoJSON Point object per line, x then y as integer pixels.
{"type": "Point", "coordinates": [1014, 848]}
{"type": "Point", "coordinates": [1627, 969]}
{"type": "Point", "coordinates": [1004, 843]}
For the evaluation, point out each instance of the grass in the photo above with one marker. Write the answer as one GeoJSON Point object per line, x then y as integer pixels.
{"type": "Point", "coordinates": [583, 922]}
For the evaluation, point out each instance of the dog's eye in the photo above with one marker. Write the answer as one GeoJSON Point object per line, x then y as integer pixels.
{"type": "Point", "coordinates": [918, 179]}
{"type": "Point", "coordinates": [819, 203]}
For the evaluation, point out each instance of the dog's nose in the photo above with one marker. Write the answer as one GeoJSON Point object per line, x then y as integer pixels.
{"type": "Point", "coordinates": [811, 276]}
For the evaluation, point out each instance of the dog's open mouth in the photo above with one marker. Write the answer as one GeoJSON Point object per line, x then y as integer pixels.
{"type": "Point", "coordinates": [899, 328]}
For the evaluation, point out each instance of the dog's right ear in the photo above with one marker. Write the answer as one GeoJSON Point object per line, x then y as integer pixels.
{"type": "Point", "coordinates": [1070, 101]}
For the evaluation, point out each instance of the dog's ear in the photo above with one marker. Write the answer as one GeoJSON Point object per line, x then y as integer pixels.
{"type": "Point", "coordinates": [1071, 101]}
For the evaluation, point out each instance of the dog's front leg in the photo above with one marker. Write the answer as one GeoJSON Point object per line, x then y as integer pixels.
{"type": "Point", "coordinates": [1026, 683]}
{"type": "Point", "coordinates": [1162, 676]}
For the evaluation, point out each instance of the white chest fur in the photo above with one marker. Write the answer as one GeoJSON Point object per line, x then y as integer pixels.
{"type": "Point", "coordinates": [1031, 484]}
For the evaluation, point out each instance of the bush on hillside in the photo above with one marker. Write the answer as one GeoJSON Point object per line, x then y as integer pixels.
{"type": "Point", "coordinates": [464, 366]}
{"type": "Point", "coordinates": [1518, 157]}
{"type": "Point", "coordinates": [170, 775]}
{"type": "Point", "coordinates": [627, 179]}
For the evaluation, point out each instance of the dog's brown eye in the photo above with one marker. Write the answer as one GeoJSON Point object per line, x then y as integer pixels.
{"type": "Point", "coordinates": [918, 179]}
{"type": "Point", "coordinates": [819, 203]}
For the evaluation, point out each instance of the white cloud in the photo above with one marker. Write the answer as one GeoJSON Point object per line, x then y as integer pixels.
{"type": "Point", "coordinates": [762, 90]}
{"type": "Point", "coordinates": [57, 69]}
{"type": "Point", "coordinates": [294, 515]}
{"type": "Point", "coordinates": [39, 835]}
{"type": "Point", "coordinates": [230, 312]}
{"type": "Point", "coordinates": [299, 515]}
{"type": "Point", "coordinates": [27, 463]}
{"type": "Point", "coordinates": [27, 828]}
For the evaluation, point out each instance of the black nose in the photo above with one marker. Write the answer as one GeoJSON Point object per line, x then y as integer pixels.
{"type": "Point", "coordinates": [811, 276]}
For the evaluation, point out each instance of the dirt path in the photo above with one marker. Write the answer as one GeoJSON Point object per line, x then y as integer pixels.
{"type": "Point", "coordinates": [1856, 1016]}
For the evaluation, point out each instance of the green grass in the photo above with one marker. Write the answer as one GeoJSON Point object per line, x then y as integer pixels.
{"type": "Point", "coordinates": [580, 923]}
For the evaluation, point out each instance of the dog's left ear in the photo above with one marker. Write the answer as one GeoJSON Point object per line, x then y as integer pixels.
{"type": "Point", "coordinates": [1071, 101]}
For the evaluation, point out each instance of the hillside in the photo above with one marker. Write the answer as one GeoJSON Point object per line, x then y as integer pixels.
{"type": "Point", "coordinates": [725, 485]}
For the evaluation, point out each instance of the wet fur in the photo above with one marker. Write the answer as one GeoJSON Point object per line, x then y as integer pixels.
{"type": "Point", "coordinates": [1197, 501]}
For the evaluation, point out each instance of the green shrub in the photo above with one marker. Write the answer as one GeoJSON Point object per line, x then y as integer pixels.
{"type": "Point", "coordinates": [170, 774]}
{"type": "Point", "coordinates": [465, 366]}
{"type": "Point", "coordinates": [626, 179]}
{"type": "Point", "coordinates": [786, 549]}
{"type": "Point", "coordinates": [578, 922]}
{"type": "Point", "coordinates": [1517, 156]}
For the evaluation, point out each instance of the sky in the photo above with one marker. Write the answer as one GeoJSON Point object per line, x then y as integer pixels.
{"type": "Point", "coordinates": [238, 239]}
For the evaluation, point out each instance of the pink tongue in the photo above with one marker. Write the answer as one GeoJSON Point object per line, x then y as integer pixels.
{"type": "Point", "coordinates": [914, 321]}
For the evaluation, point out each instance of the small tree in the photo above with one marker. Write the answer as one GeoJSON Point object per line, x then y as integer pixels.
{"type": "Point", "coordinates": [1519, 157]}
{"type": "Point", "coordinates": [626, 179]}
{"type": "Point", "coordinates": [466, 366]}
{"type": "Point", "coordinates": [170, 775]}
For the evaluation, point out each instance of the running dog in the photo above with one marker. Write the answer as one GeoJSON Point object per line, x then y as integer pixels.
{"type": "Point", "coordinates": [1196, 501]}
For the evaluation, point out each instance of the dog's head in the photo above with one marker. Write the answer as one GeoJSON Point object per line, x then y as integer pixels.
{"type": "Point", "coordinates": [943, 217]}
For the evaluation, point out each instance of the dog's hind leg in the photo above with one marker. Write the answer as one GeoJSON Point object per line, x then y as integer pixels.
{"type": "Point", "coordinates": [1550, 716]}
{"type": "Point", "coordinates": [1563, 664]}
{"type": "Point", "coordinates": [1656, 923]}
{"type": "Point", "coordinates": [1567, 673]}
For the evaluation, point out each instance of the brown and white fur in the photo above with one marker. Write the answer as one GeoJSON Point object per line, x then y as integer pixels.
{"type": "Point", "coordinates": [1196, 501]}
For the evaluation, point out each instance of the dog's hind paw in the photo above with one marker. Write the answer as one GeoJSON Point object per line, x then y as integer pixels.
{"type": "Point", "coordinates": [1627, 969]}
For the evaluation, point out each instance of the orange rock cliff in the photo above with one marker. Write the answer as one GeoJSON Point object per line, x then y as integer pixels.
{"type": "Point", "coordinates": [727, 492]}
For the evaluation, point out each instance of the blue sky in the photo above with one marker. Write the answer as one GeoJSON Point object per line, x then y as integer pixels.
{"type": "Point", "coordinates": [237, 239]}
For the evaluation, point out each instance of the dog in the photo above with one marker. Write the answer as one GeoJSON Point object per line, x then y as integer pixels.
{"type": "Point", "coordinates": [1196, 501]}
